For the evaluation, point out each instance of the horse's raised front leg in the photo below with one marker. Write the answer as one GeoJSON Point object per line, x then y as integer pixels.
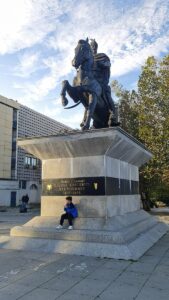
{"type": "Point", "coordinates": [90, 110]}
{"type": "Point", "coordinates": [84, 118]}
{"type": "Point", "coordinates": [65, 84]}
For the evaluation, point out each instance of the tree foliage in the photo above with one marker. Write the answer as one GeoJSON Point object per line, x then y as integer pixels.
{"type": "Point", "coordinates": [145, 114]}
{"type": "Point", "coordinates": [153, 107]}
{"type": "Point", "coordinates": [127, 108]}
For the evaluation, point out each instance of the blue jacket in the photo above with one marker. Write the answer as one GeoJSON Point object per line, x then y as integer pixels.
{"type": "Point", "coordinates": [71, 209]}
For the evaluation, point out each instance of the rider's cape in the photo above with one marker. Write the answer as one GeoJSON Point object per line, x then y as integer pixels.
{"type": "Point", "coordinates": [101, 68]}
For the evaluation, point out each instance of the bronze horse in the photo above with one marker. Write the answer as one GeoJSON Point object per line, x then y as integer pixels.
{"type": "Point", "coordinates": [86, 89]}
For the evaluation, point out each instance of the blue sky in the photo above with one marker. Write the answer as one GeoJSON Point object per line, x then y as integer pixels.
{"type": "Point", "coordinates": [37, 41]}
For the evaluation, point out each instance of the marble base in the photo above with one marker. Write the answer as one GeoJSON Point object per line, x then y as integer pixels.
{"type": "Point", "coordinates": [100, 169]}
{"type": "Point", "coordinates": [121, 237]}
{"type": "Point", "coordinates": [92, 206]}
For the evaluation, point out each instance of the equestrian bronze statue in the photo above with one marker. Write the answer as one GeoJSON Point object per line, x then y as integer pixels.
{"type": "Point", "coordinates": [90, 86]}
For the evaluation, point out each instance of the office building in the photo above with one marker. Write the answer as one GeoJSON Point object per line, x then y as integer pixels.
{"type": "Point", "coordinates": [20, 172]}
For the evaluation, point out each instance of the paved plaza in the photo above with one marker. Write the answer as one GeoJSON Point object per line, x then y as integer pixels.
{"type": "Point", "coordinates": [36, 275]}
{"type": "Point", "coordinates": [10, 217]}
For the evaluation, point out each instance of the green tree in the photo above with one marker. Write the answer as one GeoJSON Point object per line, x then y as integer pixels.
{"type": "Point", "coordinates": [164, 106]}
{"type": "Point", "coordinates": [153, 117]}
{"type": "Point", "coordinates": [145, 115]}
{"type": "Point", "coordinates": [127, 108]}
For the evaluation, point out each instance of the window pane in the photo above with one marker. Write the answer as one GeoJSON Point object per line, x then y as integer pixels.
{"type": "Point", "coordinates": [24, 184]}
{"type": "Point", "coordinates": [34, 161]}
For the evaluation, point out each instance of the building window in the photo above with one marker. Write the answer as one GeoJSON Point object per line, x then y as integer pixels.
{"type": "Point", "coordinates": [13, 146]}
{"type": "Point", "coordinates": [13, 163]}
{"type": "Point", "coordinates": [14, 114]}
{"type": "Point", "coordinates": [14, 124]}
{"type": "Point", "coordinates": [33, 187]}
{"type": "Point", "coordinates": [22, 184]}
{"type": "Point", "coordinates": [31, 162]}
{"type": "Point", "coordinates": [27, 161]}
{"type": "Point", "coordinates": [14, 135]}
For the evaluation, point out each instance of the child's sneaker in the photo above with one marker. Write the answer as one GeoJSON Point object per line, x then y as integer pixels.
{"type": "Point", "coordinates": [70, 227]}
{"type": "Point", "coordinates": [59, 227]}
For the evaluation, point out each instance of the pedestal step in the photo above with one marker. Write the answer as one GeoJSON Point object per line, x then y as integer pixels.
{"type": "Point", "coordinates": [128, 251]}
{"type": "Point", "coordinates": [115, 223]}
{"type": "Point", "coordinates": [122, 236]}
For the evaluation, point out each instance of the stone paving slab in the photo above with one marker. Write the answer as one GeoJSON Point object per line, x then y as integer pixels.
{"type": "Point", "coordinates": [61, 284]}
{"type": "Point", "coordinates": [153, 294]}
{"type": "Point", "coordinates": [11, 217]}
{"type": "Point", "coordinates": [30, 275]}
{"type": "Point", "coordinates": [14, 291]}
{"type": "Point", "coordinates": [132, 278]}
{"type": "Point", "coordinates": [142, 267]}
{"type": "Point", "coordinates": [120, 292]}
{"type": "Point", "coordinates": [90, 287]}
{"type": "Point", "coordinates": [72, 296]}
{"type": "Point", "coordinates": [108, 274]}
{"type": "Point", "coordinates": [150, 259]}
{"type": "Point", "coordinates": [117, 264]}
{"type": "Point", "coordinates": [40, 293]}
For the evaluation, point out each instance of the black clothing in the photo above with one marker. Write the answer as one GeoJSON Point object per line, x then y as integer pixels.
{"type": "Point", "coordinates": [23, 208]}
{"type": "Point", "coordinates": [26, 199]}
{"type": "Point", "coordinates": [67, 216]}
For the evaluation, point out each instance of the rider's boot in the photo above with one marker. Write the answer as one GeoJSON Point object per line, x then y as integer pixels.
{"type": "Point", "coordinates": [112, 120]}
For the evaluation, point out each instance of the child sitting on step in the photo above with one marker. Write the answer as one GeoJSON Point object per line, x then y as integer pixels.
{"type": "Point", "coordinates": [70, 213]}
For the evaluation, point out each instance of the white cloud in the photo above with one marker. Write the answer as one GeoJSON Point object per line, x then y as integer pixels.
{"type": "Point", "coordinates": [128, 31]}
{"type": "Point", "coordinates": [72, 119]}
{"type": "Point", "coordinates": [28, 64]}
{"type": "Point", "coordinates": [130, 62]}
{"type": "Point", "coordinates": [25, 23]}
{"type": "Point", "coordinates": [57, 68]}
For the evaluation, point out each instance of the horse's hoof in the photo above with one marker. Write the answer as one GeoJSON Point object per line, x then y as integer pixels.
{"type": "Point", "coordinates": [115, 124]}
{"type": "Point", "coordinates": [85, 128]}
{"type": "Point", "coordinates": [64, 101]}
{"type": "Point", "coordinates": [81, 124]}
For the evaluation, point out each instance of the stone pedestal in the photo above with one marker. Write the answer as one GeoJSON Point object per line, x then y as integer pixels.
{"type": "Point", "coordinates": [99, 168]}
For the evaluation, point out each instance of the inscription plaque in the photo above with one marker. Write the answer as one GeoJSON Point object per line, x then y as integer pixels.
{"type": "Point", "coordinates": [74, 186]}
{"type": "Point", "coordinates": [89, 186]}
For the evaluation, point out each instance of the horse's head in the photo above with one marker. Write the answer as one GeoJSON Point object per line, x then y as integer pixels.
{"type": "Point", "coordinates": [82, 53]}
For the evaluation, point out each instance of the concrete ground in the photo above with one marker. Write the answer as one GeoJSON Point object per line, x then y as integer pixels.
{"type": "Point", "coordinates": [34, 275]}
{"type": "Point", "coordinates": [11, 217]}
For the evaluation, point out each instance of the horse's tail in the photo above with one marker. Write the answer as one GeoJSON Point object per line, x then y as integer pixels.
{"type": "Point", "coordinates": [73, 105]}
